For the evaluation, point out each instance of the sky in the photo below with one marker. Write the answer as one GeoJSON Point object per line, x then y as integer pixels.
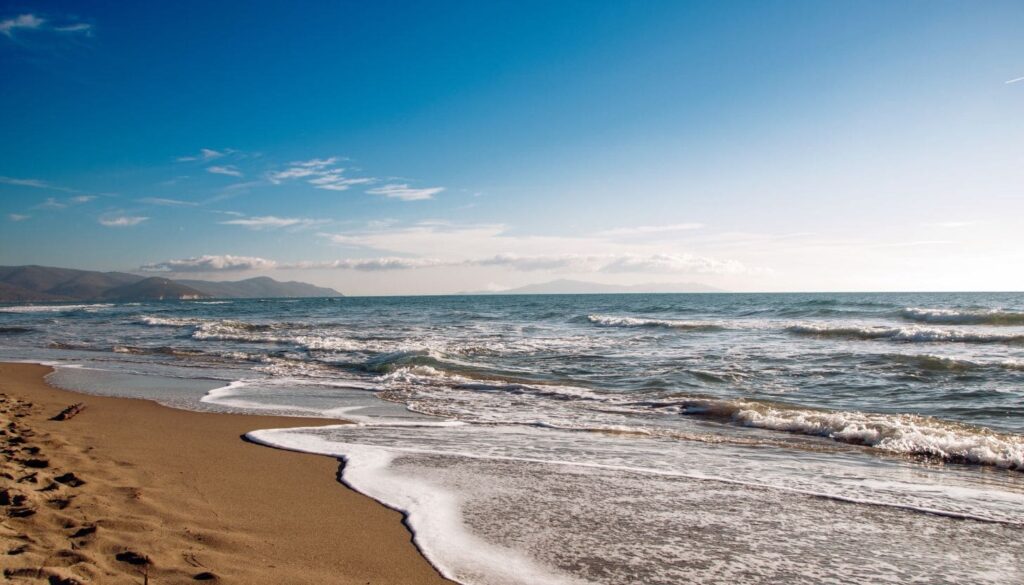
{"type": "Point", "coordinates": [439, 147]}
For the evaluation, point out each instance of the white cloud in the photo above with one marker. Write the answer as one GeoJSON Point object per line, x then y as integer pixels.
{"type": "Point", "coordinates": [33, 22]}
{"type": "Point", "coordinates": [122, 220]}
{"type": "Point", "coordinates": [614, 263]}
{"type": "Point", "coordinates": [494, 245]}
{"type": "Point", "coordinates": [672, 263]}
{"type": "Point", "coordinates": [952, 224]}
{"type": "Point", "coordinates": [323, 173]}
{"type": "Point", "coordinates": [40, 184]}
{"type": "Point", "coordinates": [372, 264]}
{"type": "Point", "coordinates": [405, 192]}
{"type": "Point", "coordinates": [1014, 80]}
{"type": "Point", "coordinates": [229, 170]}
{"type": "Point", "coordinates": [211, 263]}
{"type": "Point", "coordinates": [273, 222]}
{"type": "Point", "coordinates": [206, 154]}
{"type": "Point", "coordinates": [319, 172]}
{"type": "Point", "coordinates": [36, 183]}
{"type": "Point", "coordinates": [24, 21]}
{"type": "Point", "coordinates": [572, 263]}
{"type": "Point", "coordinates": [316, 163]}
{"type": "Point", "coordinates": [17, 216]}
{"type": "Point", "coordinates": [52, 203]}
{"type": "Point", "coordinates": [336, 182]}
{"type": "Point", "coordinates": [644, 230]}
{"type": "Point", "coordinates": [81, 27]}
{"type": "Point", "coordinates": [167, 202]}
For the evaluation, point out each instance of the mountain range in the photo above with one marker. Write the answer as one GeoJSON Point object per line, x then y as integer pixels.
{"type": "Point", "coordinates": [45, 283]}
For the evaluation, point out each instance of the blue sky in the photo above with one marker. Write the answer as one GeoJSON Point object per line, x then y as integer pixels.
{"type": "Point", "coordinates": [394, 147]}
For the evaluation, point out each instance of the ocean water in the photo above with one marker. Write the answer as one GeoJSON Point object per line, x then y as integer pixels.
{"type": "Point", "coordinates": [712, 438]}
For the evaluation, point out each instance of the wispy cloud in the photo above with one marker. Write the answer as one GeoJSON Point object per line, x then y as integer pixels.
{"type": "Point", "coordinates": [54, 203]}
{"type": "Point", "coordinates": [615, 263]}
{"type": "Point", "coordinates": [22, 21]}
{"type": "Point", "coordinates": [167, 202]}
{"type": "Point", "coordinates": [321, 173]}
{"type": "Point", "coordinates": [405, 192]}
{"type": "Point", "coordinates": [122, 220]}
{"type": "Point", "coordinates": [35, 184]}
{"type": "Point", "coordinates": [206, 154]}
{"type": "Point", "coordinates": [273, 222]}
{"type": "Point", "coordinates": [1014, 80]}
{"type": "Point", "coordinates": [18, 216]}
{"type": "Point", "coordinates": [336, 182]}
{"type": "Point", "coordinates": [31, 22]}
{"type": "Point", "coordinates": [229, 170]}
{"type": "Point", "coordinates": [78, 27]}
{"type": "Point", "coordinates": [211, 263]}
{"type": "Point", "coordinates": [51, 203]}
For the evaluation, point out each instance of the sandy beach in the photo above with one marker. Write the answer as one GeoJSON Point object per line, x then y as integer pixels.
{"type": "Point", "coordinates": [129, 491]}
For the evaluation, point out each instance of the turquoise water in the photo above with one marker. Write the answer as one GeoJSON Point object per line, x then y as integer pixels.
{"type": "Point", "coordinates": [619, 438]}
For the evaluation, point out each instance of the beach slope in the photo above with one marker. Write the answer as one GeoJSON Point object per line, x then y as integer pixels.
{"type": "Point", "coordinates": [128, 491]}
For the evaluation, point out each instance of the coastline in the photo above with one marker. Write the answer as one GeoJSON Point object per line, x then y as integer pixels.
{"type": "Point", "coordinates": [185, 490]}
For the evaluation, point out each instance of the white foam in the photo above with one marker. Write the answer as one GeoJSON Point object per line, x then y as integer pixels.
{"type": "Point", "coordinates": [905, 433]}
{"type": "Point", "coordinates": [54, 308]}
{"type": "Point", "coordinates": [154, 321]}
{"type": "Point", "coordinates": [912, 333]}
{"type": "Point", "coordinates": [964, 316]}
{"type": "Point", "coordinates": [433, 514]}
{"type": "Point", "coordinates": [615, 321]}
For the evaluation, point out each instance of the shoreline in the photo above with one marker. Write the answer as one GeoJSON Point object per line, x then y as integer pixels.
{"type": "Point", "coordinates": [183, 490]}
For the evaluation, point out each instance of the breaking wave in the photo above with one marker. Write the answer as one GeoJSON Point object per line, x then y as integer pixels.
{"type": "Point", "coordinates": [54, 308]}
{"type": "Point", "coordinates": [964, 317]}
{"type": "Point", "coordinates": [904, 434]}
{"type": "Point", "coordinates": [913, 333]}
{"type": "Point", "coordinates": [613, 321]}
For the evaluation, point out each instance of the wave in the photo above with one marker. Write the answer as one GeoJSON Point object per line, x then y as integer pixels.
{"type": "Point", "coordinates": [905, 434]}
{"type": "Point", "coordinates": [159, 350]}
{"type": "Point", "coordinates": [168, 321]}
{"type": "Point", "coordinates": [964, 317]}
{"type": "Point", "coordinates": [14, 330]}
{"type": "Point", "coordinates": [54, 308]}
{"type": "Point", "coordinates": [935, 363]}
{"type": "Point", "coordinates": [909, 334]}
{"type": "Point", "coordinates": [613, 321]}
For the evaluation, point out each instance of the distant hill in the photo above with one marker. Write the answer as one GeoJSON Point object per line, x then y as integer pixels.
{"type": "Point", "coordinates": [46, 283]}
{"type": "Point", "coordinates": [261, 287]}
{"type": "Point", "coordinates": [580, 287]}
{"type": "Point", "coordinates": [154, 288]}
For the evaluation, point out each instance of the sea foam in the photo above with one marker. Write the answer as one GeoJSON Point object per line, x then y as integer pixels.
{"type": "Point", "coordinates": [912, 333]}
{"type": "Point", "coordinates": [964, 316]}
{"type": "Point", "coordinates": [615, 321]}
{"type": "Point", "coordinates": [905, 434]}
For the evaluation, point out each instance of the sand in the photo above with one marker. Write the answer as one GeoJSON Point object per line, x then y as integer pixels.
{"type": "Point", "coordinates": [172, 496]}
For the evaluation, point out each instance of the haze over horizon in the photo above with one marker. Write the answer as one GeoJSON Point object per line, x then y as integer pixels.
{"type": "Point", "coordinates": [395, 149]}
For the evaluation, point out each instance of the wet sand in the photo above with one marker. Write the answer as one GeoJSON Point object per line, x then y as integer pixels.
{"type": "Point", "coordinates": [173, 496]}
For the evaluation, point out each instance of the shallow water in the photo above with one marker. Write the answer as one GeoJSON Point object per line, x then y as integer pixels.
{"type": "Point", "coordinates": [613, 438]}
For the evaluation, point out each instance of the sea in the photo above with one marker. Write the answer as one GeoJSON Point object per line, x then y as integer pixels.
{"type": "Point", "coordinates": [656, 439]}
